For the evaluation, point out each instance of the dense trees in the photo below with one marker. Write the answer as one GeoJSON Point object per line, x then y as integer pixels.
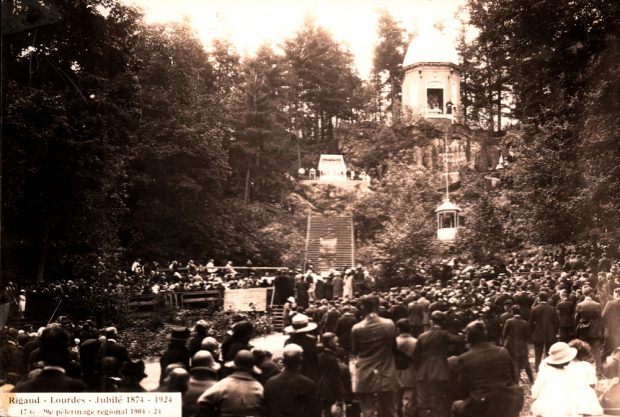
{"type": "Point", "coordinates": [552, 70]}
{"type": "Point", "coordinates": [122, 139]}
{"type": "Point", "coordinates": [387, 63]}
{"type": "Point", "coordinates": [322, 83]}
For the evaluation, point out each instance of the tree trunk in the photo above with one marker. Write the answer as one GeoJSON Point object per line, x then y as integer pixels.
{"type": "Point", "coordinates": [246, 193]}
{"type": "Point", "coordinates": [499, 108]}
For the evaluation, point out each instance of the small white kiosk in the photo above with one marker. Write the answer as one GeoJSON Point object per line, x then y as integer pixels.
{"type": "Point", "coordinates": [447, 221]}
{"type": "Point", "coordinates": [332, 168]}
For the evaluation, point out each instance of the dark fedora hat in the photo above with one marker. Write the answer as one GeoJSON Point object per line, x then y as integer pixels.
{"type": "Point", "coordinates": [134, 368]}
{"type": "Point", "coordinates": [180, 333]}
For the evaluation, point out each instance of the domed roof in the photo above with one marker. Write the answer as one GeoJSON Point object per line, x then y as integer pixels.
{"type": "Point", "coordinates": [431, 46]}
{"type": "Point", "coordinates": [447, 205]}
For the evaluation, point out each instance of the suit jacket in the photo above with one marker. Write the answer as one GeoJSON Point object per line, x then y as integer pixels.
{"type": "Point", "coordinates": [51, 380]}
{"type": "Point", "coordinates": [405, 342]}
{"type": "Point", "coordinates": [515, 338]}
{"type": "Point", "coordinates": [372, 340]}
{"type": "Point", "coordinates": [291, 394]}
{"type": "Point", "coordinates": [343, 330]}
{"type": "Point", "coordinates": [331, 387]}
{"type": "Point", "coordinates": [543, 323]}
{"type": "Point", "coordinates": [238, 394]}
{"type": "Point", "coordinates": [611, 316]}
{"type": "Point", "coordinates": [566, 314]}
{"type": "Point", "coordinates": [488, 380]}
{"type": "Point", "coordinates": [431, 354]}
{"type": "Point", "coordinates": [310, 363]}
{"type": "Point", "coordinates": [589, 311]}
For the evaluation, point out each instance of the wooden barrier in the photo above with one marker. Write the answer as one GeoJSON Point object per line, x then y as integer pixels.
{"type": "Point", "coordinates": [148, 301]}
{"type": "Point", "coordinates": [199, 297]}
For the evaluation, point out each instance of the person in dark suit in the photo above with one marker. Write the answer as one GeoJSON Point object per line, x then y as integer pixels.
{"type": "Point", "coordinates": [343, 328]}
{"type": "Point", "coordinates": [543, 326]}
{"type": "Point", "coordinates": [430, 357]}
{"type": "Point", "coordinates": [54, 351]}
{"type": "Point", "coordinates": [331, 386]}
{"type": "Point", "coordinates": [514, 337]}
{"type": "Point", "coordinates": [376, 381]}
{"type": "Point", "coordinates": [177, 350]}
{"type": "Point", "coordinates": [290, 393]}
{"type": "Point", "coordinates": [611, 320]}
{"type": "Point", "coordinates": [113, 353]}
{"type": "Point", "coordinates": [589, 325]}
{"type": "Point", "coordinates": [566, 317]}
{"type": "Point", "coordinates": [299, 330]}
{"type": "Point", "coordinates": [487, 378]}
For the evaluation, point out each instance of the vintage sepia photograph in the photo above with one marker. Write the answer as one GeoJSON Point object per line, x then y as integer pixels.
{"type": "Point", "coordinates": [310, 208]}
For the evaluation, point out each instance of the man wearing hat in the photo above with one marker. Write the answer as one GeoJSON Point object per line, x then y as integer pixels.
{"type": "Point", "coordinates": [203, 375]}
{"type": "Point", "coordinates": [238, 340]}
{"type": "Point", "coordinates": [299, 331]}
{"type": "Point", "coordinates": [132, 373]}
{"type": "Point", "coordinates": [236, 395]}
{"type": "Point", "coordinates": [201, 330]}
{"type": "Point", "coordinates": [373, 340]}
{"type": "Point", "coordinates": [177, 350]}
{"type": "Point", "coordinates": [301, 398]}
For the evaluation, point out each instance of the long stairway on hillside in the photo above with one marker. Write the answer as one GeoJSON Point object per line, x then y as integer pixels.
{"type": "Point", "coordinates": [330, 242]}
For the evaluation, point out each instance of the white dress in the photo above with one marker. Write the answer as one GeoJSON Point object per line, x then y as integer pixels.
{"type": "Point", "coordinates": [585, 377]}
{"type": "Point", "coordinates": [553, 393]}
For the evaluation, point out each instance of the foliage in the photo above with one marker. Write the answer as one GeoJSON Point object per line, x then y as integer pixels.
{"type": "Point", "coordinates": [179, 163]}
{"type": "Point", "coordinates": [322, 83]}
{"type": "Point", "coordinates": [399, 225]}
{"type": "Point", "coordinates": [600, 144]}
{"type": "Point", "coordinates": [261, 153]}
{"type": "Point", "coordinates": [388, 59]}
{"type": "Point", "coordinates": [70, 95]}
{"type": "Point", "coordinates": [561, 185]}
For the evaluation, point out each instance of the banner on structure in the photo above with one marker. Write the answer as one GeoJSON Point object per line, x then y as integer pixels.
{"type": "Point", "coordinates": [246, 299]}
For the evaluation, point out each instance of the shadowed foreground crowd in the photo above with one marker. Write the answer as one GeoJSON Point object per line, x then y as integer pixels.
{"type": "Point", "coordinates": [449, 347]}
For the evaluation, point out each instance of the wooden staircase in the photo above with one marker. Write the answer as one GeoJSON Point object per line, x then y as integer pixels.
{"type": "Point", "coordinates": [330, 242]}
{"type": "Point", "coordinates": [277, 321]}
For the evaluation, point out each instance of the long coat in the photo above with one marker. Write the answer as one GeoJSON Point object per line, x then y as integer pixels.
{"type": "Point", "coordinates": [514, 335]}
{"type": "Point", "coordinates": [372, 340]}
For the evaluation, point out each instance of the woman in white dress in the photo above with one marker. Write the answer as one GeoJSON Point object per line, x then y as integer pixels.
{"type": "Point", "coordinates": [554, 388]}
{"type": "Point", "coordinates": [347, 289]}
{"type": "Point", "coordinates": [584, 375]}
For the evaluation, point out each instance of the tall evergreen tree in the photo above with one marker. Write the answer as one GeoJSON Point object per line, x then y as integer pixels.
{"type": "Point", "coordinates": [388, 62]}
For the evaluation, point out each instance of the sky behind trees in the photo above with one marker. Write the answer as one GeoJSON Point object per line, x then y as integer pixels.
{"type": "Point", "coordinates": [249, 23]}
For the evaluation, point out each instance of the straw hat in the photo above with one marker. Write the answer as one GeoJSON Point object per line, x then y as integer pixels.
{"type": "Point", "coordinates": [300, 323]}
{"type": "Point", "coordinates": [560, 353]}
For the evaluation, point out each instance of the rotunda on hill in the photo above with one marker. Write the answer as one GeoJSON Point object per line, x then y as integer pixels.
{"type": "Point", "coordinates": [432, 82]}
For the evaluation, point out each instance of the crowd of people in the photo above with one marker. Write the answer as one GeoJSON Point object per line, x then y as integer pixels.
{"type": "Point", "coordinates": [39, 301]}
{"type": "Point", "coordinates": [455, 344]}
